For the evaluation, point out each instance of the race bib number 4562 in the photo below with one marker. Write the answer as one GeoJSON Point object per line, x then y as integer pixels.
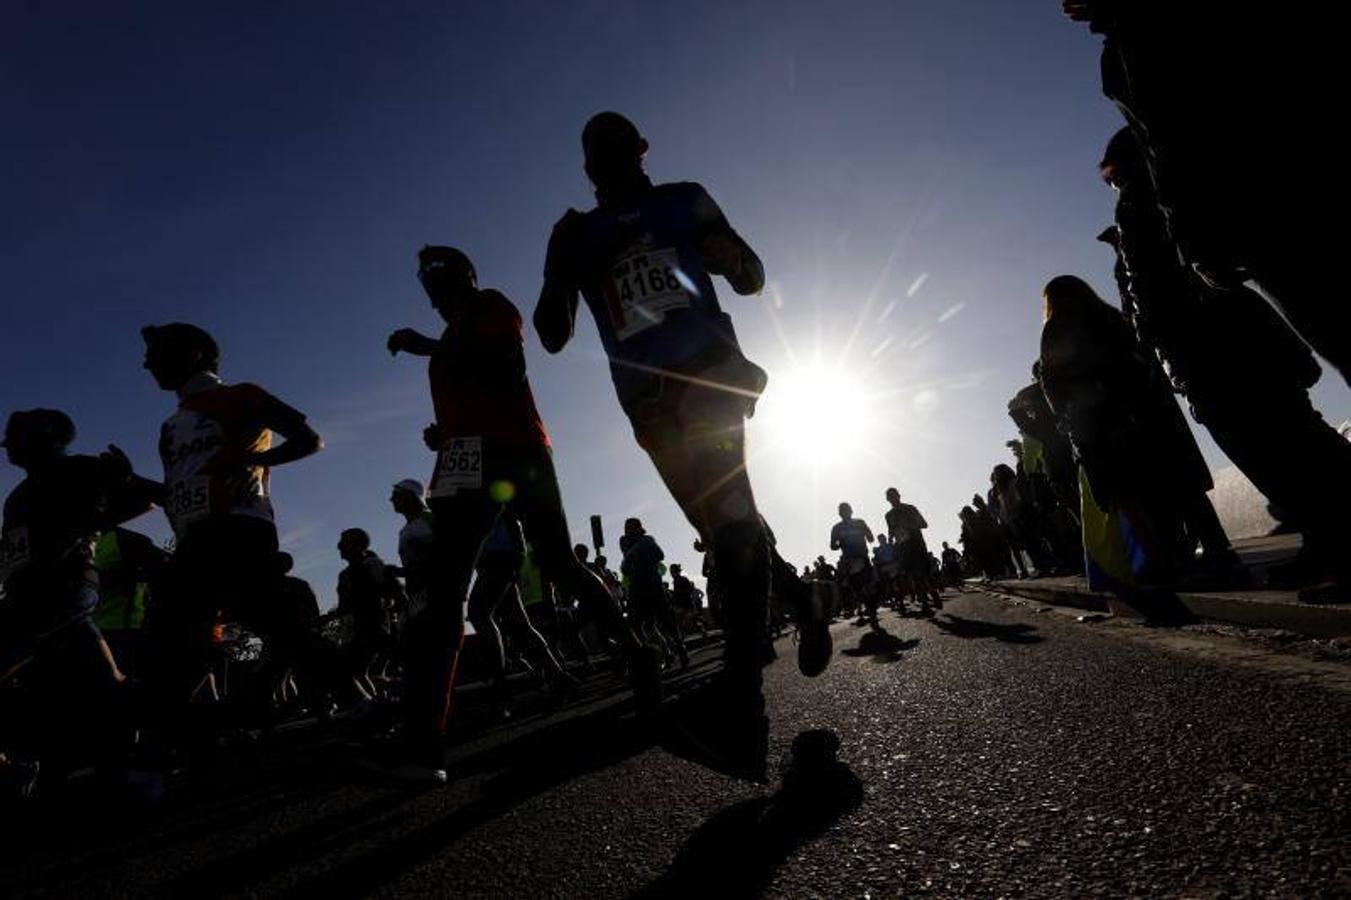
{"type": "Point", "coordinates": [14, 551]}
{"type": "Point", "coordinates": [642, 288]}
{"type": "Point", "coordinates": [458, 465]}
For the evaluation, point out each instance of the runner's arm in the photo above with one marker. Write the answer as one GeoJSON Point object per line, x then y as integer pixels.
{"type": "Point", "coordinates": [127, 495]}
{"type": "Point", "coordinates": [556, 311]}
{"type": "Point", "coordinates": [725, 252]}
{"type": "Point", "coordinates": [299, 439]}
{"type": "Point", "coordinates": [410, 341]}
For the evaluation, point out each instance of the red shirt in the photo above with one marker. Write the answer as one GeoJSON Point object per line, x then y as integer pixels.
{"type": "Point", "coordinates": [478, 380]}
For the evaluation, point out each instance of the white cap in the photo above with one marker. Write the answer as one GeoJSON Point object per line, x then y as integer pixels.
{"type": "Point", "coordinates": [412, 486]}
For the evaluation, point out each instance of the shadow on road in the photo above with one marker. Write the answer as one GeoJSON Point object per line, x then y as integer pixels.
{"type": "Point", "coordinates": [521, 769]}
{"type": "Point", "coordinates": [881, 645]}
{"type": "Point", "coordinates": [957, 626]}
{"type": "Point", "coordinates": [737, 851]}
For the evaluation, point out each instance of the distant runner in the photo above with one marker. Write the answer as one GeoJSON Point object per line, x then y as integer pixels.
{"type": "Point", "coordinates": [649, 607]}
{"type": "Point", "coordinates": [851, 538]}
{"type": "Point", "coordinates": [906, 527]}
{"type": "Point", "coordinates": [416, 548]}
{"type": "Point", "coordinates": [497, 587]}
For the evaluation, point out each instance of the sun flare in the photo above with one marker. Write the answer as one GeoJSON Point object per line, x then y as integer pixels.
{"type": "Point", "coordinates": [818, 416]}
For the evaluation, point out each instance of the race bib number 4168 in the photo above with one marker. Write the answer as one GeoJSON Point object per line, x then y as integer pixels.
{"type": "Point", "coordinates": [642, 288]}
{"type": "Point", "coordinates": [458, 465]}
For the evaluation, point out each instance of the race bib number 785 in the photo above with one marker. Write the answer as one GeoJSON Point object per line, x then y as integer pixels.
{"type": "Point", "coordinates": [458, 465]}
{"type": "Point", "coordinates": [188, 500]}
{"type": "Point", "coordinates": [642, 288]}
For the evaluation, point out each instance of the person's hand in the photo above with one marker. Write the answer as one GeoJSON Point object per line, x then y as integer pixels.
{"type": "Point", "coordinates": [402, 339]}
{"type": "Point", "coordinates": [116, 462]}
{"type": "Point", "coordinates": [431, 436]}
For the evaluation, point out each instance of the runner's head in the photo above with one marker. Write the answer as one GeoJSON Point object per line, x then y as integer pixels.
{"type": "Point", "coordinates": [177, 351]}
{"type": "Point", "coordinates": [633, 527]}
{"type": "Point", "coordinates": [282, 563]}
{"type": "Point", "coordinates": [582, 552]}
{"type": "Point", "coordinates": [353, 544]}
{"type": "Point", "coordinates": [846, 511]}
{"type": "Point", "coordinates": [407, 498]}
{"type": "Point", "coordinates": [448, 277]}
{"type": "Point", "coordinates": [1073, 299]}
{"type": "Point", "coordinates": [945, 546]}
{"type": "Point", "coordinates": [614, 149]}
{"type": "Point", "coordinates": [676, 570]}
{"type": "Point", "coordinates": [893, 496]}
{"type": "Point", "coordinates": [1122, 162]}
{"type": "Point", "coordinates": [34, 435]}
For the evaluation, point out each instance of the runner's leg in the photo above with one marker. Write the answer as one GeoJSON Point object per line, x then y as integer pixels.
{"type": "Point", "coordinates": [490, 587]}
{"type": "Point", "coordinates": [436, 634]}
{"type": "Point", "coordinates": [697, 444]}
{"type": "Point", "coordinates": [539, 505]}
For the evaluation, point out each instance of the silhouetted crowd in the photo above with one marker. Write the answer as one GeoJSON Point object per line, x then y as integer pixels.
{"type": "Point", "coordinates": [134, 661]}
{"type": "Point", "coordinates": [86, 686]}
{"type": "Point", "coordinates": [1222, 265]}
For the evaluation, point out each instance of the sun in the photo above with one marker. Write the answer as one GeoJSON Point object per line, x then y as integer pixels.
{"type": "Point", "coordinates": [818, 416]}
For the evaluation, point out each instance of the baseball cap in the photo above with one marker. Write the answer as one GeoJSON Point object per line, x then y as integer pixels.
{"type": "Point", "coordinates": [411, 485]}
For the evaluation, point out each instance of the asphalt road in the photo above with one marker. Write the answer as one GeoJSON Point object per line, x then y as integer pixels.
{"type": "Point", "coordinates": [995, 750]}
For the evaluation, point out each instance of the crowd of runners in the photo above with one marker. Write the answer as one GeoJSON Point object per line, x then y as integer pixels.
{"type": "Point", "coordinates": [898, 571]}
{"type": "Point", "coordinates": [111, 645]}
{"type": "Point", "coordinates": [111, 649]}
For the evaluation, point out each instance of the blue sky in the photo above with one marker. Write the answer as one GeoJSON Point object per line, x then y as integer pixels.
{"type": "Point", "coordinates": [911, 174]}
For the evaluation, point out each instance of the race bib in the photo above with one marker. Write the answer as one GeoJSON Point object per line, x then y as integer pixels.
{"type": "Point", "coordinates": [14, 551]}
{"type": "Point", "coordinates": [417, 602]}
{"type": "Point", "coordinates": [188, 500]}
{"type": "Point", "coordinates": [643, 288]}
{"type": "Point", "coordinates": [458, 465]}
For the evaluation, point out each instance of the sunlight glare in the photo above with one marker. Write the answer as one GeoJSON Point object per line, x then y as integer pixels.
{"type": "Point", "coordinates": [818, 416]}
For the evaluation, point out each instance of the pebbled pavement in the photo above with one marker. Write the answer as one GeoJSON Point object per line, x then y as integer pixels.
{"type": "Point", "coordinates": [995, 750]}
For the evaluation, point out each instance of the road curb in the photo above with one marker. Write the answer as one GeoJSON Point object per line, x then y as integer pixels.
{"type": "Point", "coordinates": [1260, 609]}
